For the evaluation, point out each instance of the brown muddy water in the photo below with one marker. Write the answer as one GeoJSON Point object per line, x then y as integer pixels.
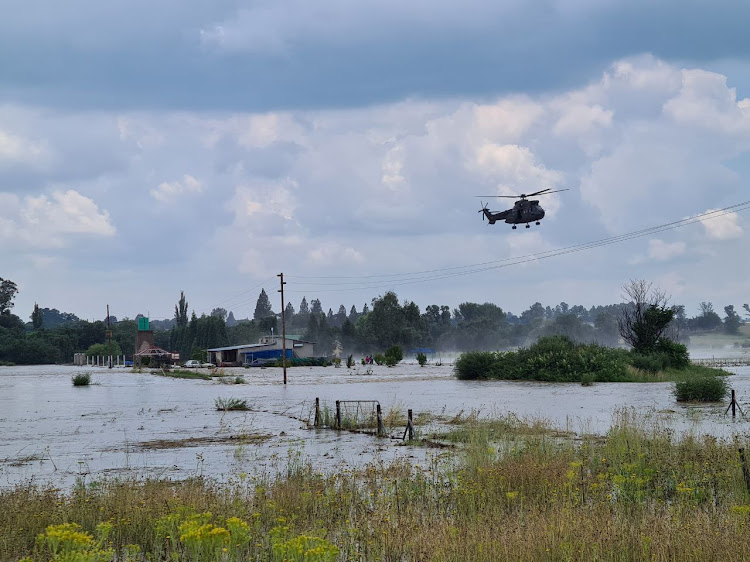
{"type": "Point", "coordinates": [129, 425]}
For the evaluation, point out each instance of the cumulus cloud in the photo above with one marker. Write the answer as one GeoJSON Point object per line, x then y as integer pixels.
{"type": "Point", "coordinates": [168, 191]}
{"type": "Point", "coordinates": [722, 227]}
{"type": "Point", "coordinates": [50, 222]}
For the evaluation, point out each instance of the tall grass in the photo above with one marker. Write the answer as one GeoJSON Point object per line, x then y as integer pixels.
{"type": "Point", "coordinates": [81, 379]}
{"type": "Point", "coordinates": [636, 494]}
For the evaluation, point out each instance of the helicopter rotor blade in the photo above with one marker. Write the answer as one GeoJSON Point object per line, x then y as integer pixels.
{"type": "Point", "coordinates": [504, 196]}
{"type": "Point", "coordinates": [546, 192]}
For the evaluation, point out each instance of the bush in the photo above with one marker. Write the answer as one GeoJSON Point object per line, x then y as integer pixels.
{"type": "Point", "coordinates": [379, 359]}
{"type": "Point", "coordinates": [676, 354]}
{"type": "Point", "coordinates": [421, 359]}
{"type": "Point", "coordinates": [701, 389]}
{"type": "Point", "coordinates": [226, 404]}
{"type": "Point", "coordinates": [81, 379]}
{"type": "Point", "coordinates": [555, 358]}
{"type": "Point", "coordinates": [651, 363]}
{"type": "Point", "coordinates": [350, 361]}
{"type": "Point", "coordinates": [395, 352]}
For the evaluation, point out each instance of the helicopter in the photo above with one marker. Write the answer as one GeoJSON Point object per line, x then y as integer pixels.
{"type": "Point", "coordinates": [523, 211]}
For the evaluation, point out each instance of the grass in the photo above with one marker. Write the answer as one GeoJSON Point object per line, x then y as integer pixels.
{"type": "Point", "coordinates": [636, 494]}
{"type": "Point", "coordinates": [81, 379]}
{"type": "Point", "coordinates": [231, 403]}
{"type": "Point", "coordinates": [183, 374]}
{"type": "Point", "coordinates": [7, 364]}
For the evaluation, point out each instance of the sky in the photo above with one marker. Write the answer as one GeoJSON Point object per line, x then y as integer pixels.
{"type": "Point", "coordinates": [151, 148]}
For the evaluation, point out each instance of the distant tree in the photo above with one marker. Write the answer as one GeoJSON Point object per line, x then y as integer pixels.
{"type": "Point", "coordinates": [37, 318]}
{"type": "Point", "coordinates": [220, 313]}
{"type": "Point", "coordinates": [267, 324]}
{"type": "Point", "coordinates": [606, 329]}
{"type": "Point", "coordinates": [53, 318]}
{"type": "Point", "coordinates": [329, 317]}
{"type": "Point", "coordinates": [732, 320]}
{"type": "Point", "coordinates": [365, 309]}
{"type": "Point", "coordinates": [316, 308]}
{"type": "Point", "coordinates": [747, 308]}
{"type": "Point", "coordinates": [289, 312]}
{"type": "Point", "coordinates": [341, 315]}
{"type": "Point", "coordinates": [353, 315]}
{"type": "Point", "coordinates": [304, 309]}
{"type": "Point", "coordinates": [262, 307]}
{"type": "Point", "coordinates": [8, 290]}
{"type": "Point", "coordinates": [231, 320]}
{"type": "Point", "coordinates": [645, 318]}
{"type": "Point", "coordinates": [181, 311]}
{"type": "Point", "coordinates": [708, 320]}
{"type": "Point", "coordinates": [534, 315]}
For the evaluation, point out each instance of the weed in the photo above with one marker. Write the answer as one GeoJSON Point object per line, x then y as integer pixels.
{"type": "Point", "coordinates": [81, 379]}
{"type": "Point", "coordinates": [701, 389]}
{"type": "Point", "coordinates": [232, 403]}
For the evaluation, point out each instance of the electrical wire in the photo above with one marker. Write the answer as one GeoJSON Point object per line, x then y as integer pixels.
{"type": "Point", "coordinates": [399, 279]}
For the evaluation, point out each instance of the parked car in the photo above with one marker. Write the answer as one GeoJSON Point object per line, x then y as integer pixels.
{"type": "Point", "coordinates": [192, 364]}
{"type": "Point", "coordinates": [208, 365]}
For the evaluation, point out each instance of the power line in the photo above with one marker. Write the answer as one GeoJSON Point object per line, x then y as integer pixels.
{"type": "Point", "coordinates": [382, 281]}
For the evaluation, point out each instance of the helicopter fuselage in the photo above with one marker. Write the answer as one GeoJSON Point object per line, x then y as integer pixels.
{"type": "Point", "coordinates": [524, 211]}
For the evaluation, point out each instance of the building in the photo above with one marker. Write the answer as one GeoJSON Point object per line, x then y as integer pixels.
{"type": "Point", "coordinates": [268, 348]}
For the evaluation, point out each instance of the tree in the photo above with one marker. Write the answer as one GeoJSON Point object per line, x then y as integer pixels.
{"type": "Point", "coordinates": [289, 312]}
{"type": "Point", "coordinates": [231, 320]}
{"type": "Point", "coordinates": [708, 320]}
{"type": "Point", "coordinates": [316, 308]}
{"type": "Point", "coordinates": [8, 291]}
{"type": "Point", "coordinates": [220, 313]}
{"type": "Point", "coordinates": [37, 318]}
{"type": "Point", "coordinates": [181, 311]}
{"type": "Point", "coordinates": [644, 320]}
{"type": "Point", "coordinates": [263, 306]}
{"type": "Point", "coordinates": [747, 308]}
{"type": "Point", "coordinates": [732, 320]}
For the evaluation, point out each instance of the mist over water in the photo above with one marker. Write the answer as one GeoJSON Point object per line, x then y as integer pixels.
{"type": "Point", "coordinates": [52, 432]}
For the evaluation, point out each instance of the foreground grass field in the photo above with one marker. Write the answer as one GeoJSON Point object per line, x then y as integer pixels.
{"type": "Point", "coordinates": [507, 492]}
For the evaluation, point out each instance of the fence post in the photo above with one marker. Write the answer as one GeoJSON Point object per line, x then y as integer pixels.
{"type": "Point", "coordinates": [409, 427]}
{"type": "Point", "coordinates": [734, 404]}
{"type": "Point", "coordinates": [381, 428]}
{"type": "Point", "coordinates": [338, 414]}
{"type": "Point", "coordinates": [317, 412]}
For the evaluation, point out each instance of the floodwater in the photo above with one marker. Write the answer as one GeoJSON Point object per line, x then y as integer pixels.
{"type": "Point", "coordinates": [142, 425]}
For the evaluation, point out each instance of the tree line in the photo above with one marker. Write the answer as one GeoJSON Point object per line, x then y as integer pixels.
{"type": "Point", "coordinates": [52, 336]}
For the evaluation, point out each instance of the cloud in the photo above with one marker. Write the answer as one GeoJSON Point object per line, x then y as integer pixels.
{"type": "Point", "coordinates": [168, 191]}
{"type": "Point", "coordinates": [663, 251]}
{"type": "Point", "coordinates": [50, 222]}
{"type": "Point", "coordinates": [722, 227]}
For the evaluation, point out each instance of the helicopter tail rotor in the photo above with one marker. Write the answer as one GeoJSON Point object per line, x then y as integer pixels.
{"type": "Point", "coordinates": [486, 213]}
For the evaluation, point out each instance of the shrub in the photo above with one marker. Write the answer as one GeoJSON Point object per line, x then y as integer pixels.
{"type": "Point", "coordinates": [587, 379]}
{"type": "Point", "coordinates": [651, 363]}
{"type": "Point", "coordinates": [701, 389]}
{"type": "Point", "coordinates": [379, 358]}
{"type": "Point", "coordinates": [81, 379]}
{"type": "Point", "coordinates": [231, 404]}
{"type": "Point", "coordinates": [421, 359]}
{"type": "Point", "coordinates": [475, 365]}
{"type": "Point", "coordinates": [555, 358]}
{"type": "Point", "coordinates": [350, 361]}
{"type": "Point", "coordinates": [395, 352]}
{"type": "Point", "coordinates": [676, 354]}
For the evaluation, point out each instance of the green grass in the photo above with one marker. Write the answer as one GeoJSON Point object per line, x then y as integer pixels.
{"type": "Point", "coordinates": [701, 389]}
{"type": "Point", "coordinates": [505, 493]}
{"type": "Point", "coordinates": [81, 379]}
{"type": "Point", "coordinates": [227, 404]}
{"type": "Point", "coordinates": [7, 364]}
{"type": "Point", "coordinates": [183, 374]}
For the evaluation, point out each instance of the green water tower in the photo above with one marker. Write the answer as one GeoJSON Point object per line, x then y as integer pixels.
{"type": "Point", "coordinates": [143, 324]}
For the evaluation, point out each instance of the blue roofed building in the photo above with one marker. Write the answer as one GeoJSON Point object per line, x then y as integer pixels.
{"type": "Point", "coordinates": [268, 348]}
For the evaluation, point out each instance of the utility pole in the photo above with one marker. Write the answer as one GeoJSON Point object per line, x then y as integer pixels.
{"type": "Point", "coordinates": [283, 324]}
{"type": "Point", "coordinates": [109, 341]}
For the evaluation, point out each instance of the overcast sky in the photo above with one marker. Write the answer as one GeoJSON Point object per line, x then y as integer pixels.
{"type": "Point", "coordinates": [153, 147]}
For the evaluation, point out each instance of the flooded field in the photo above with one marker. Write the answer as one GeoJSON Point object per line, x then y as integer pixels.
{"type": "Point", "coordinates": [144, 425]}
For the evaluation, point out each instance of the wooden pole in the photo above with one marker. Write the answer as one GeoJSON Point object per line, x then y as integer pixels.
{"type": "Point", "coordinates": [734, 404]}
{"type": "Point", "coordinates": [317, 412]}
{"type": "Point", "coordinates": [381, 427]}
{"type": "Point", "coordinates": [338, 414]}
{"type": "Point", "coordinates": [409, 427]}
{"type": "Point", "coordinates": [283, 324]}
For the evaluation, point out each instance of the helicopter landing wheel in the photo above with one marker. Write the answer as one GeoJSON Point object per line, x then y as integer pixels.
{"type": "Point", "coordinates": [514, 227]}
{"type": "Point", "coordinates": [528, 226]}
{"type": "Point", "coordinates": [537, 223]}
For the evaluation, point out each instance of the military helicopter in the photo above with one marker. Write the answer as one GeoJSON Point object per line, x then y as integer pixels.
{"type": "Point", "coordinates": [524, 211]}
